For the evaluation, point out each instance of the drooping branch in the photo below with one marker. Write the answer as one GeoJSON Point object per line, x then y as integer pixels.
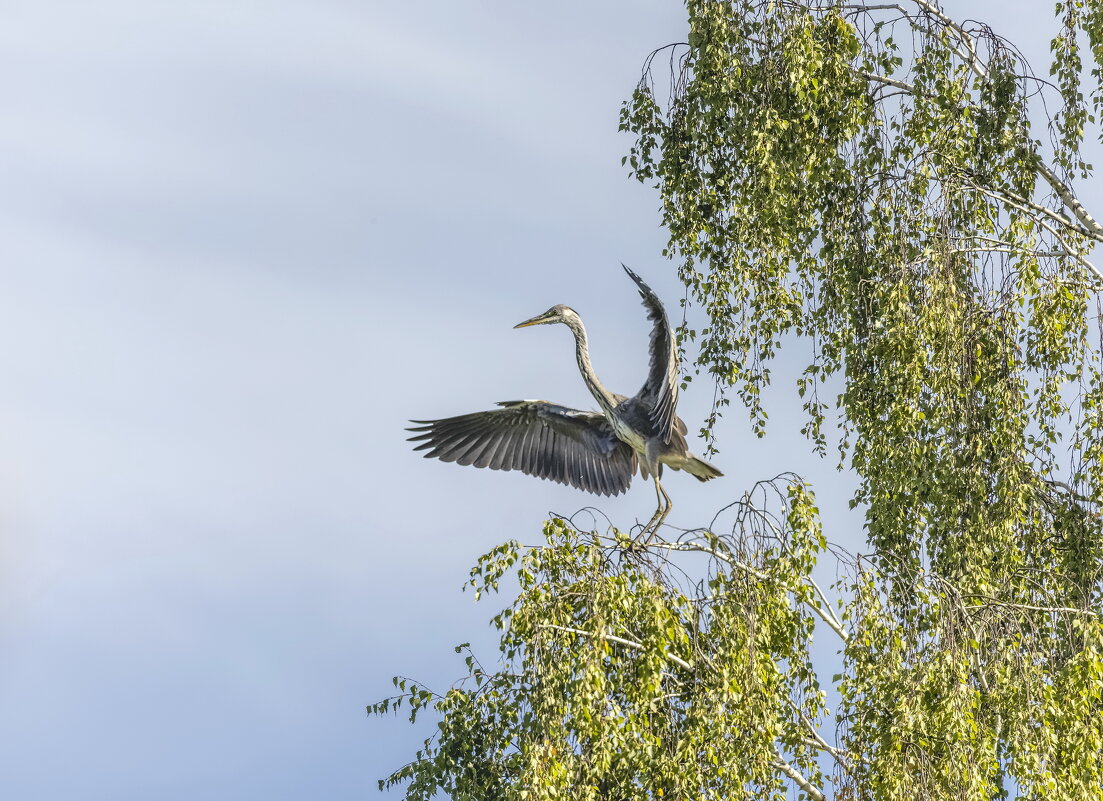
{"type": "Point", "coordinates": [1083, 223]}
{"type": "Point", "coordinates": [978, 67]}
{"type": "Point", "coordinates": [1088, 227]}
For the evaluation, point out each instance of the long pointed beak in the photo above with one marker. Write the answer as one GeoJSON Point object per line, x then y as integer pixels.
{"type": "Point", "coordinates": [534, 321]}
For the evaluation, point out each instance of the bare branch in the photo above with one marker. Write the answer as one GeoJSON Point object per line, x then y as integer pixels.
{"type": "Point", "coordinates": [1041, 254]}
{"type": "Point", "coordinates": [639, 646]}
{"type": "Point", "coordinates": [883, 79]}
{"type": "Point", "coordinates": [1030, 206]}
{"type": "Point", "coordinates": [835, 623]}
{"type": "Point", "coordinates": [1092, 228]}
{"type": "Point", "coordinates": [798, 778]}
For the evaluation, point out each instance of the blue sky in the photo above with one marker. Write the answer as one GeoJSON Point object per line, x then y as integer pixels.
{"type": "Point", "coordinates": [240, 244]}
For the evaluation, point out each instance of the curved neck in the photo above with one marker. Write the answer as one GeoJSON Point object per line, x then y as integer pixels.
{"type": "Point", "coordinates": [582, 353]}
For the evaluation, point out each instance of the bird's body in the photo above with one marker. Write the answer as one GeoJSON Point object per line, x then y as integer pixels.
{"type": "Point", "coordinates": [595, 452]}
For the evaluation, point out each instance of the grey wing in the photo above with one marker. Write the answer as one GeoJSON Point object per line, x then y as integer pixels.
{"type": "Point", "coordinates": [538, 438]}
{"type": "Point", "coordinates": [659, 394]}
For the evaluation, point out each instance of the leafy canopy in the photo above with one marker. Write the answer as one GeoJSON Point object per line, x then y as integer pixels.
{"type": "Point", "coordinates": [885, 188]}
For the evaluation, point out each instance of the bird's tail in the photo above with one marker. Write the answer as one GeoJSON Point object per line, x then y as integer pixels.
{"type": "Point", "coordinates": [699, 468]}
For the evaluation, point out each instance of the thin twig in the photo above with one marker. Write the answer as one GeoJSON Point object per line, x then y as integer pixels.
{"type": "Point", "coordinates": [827, 617]}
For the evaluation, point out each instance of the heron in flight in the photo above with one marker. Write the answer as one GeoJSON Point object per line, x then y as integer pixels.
{"type": "Point", "coordinates": [598, 452]}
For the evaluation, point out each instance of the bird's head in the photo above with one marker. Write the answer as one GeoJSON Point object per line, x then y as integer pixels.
{"type": "Point", "coordinates": [556, 314]}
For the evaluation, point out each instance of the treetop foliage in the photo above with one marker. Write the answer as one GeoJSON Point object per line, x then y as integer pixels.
{"type": "Point", "coordinates": [893, 191]}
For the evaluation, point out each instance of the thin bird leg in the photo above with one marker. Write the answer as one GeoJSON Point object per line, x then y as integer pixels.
{"type": "Point", "coordinates": [652, 527]}
{"type": "Point", "coordinates": [665, 507]}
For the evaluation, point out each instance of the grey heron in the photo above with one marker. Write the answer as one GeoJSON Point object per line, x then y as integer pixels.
{"type": "Point", "coordinates": [598, 452]}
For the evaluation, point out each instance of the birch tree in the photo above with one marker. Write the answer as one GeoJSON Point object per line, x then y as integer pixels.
{"type": "Point", "coordinates": [890, 194]}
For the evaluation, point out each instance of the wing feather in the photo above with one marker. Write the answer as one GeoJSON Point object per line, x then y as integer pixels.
{"type": "Point", "coordinates": [451, 449]}
{"type": "Point", "coordinates": [473, 451]}
{"type": "Point", "coordinates": [659, 394]}
{"type": "Point", "coordinates": [517, 452]}
{"type": "Point", "coordinates": [539, 438]}
{"type": "Point", "coordinates": [572, 467]}
{"type": "Point", "coordinates": [489, 454]}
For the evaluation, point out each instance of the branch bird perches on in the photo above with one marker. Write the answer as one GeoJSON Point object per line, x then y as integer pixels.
{"type": "Point", "coordinates": [598, 452]}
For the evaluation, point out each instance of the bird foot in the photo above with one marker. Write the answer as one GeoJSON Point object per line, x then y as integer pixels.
{"type": "Point", "coordinates": [639, 543]}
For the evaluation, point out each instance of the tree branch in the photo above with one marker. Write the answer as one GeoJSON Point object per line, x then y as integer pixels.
{"type": "Point", "coordinates": [1029, 608]}
{"type": "Point", "coordinates": [816, 740]}
{"type": "Point", "coordinates": [827, 617]}
{"type": "Point", "coordinates": [1092, 228]}
{"type": "Point", "coordinates": [798, 778]}
{"type": "Point", "coordinates": [827, 611]}
{"type": "Point", "coordinates": [872, 76]}
{"type": "Point", "coordinates": [639, 646]}
{"type": "Point", "coordinates": [1088, 225]}
{"type": "Point", "coordinates": [963, 36]}
{"type": "Point", "coordinates": [1027, 206]}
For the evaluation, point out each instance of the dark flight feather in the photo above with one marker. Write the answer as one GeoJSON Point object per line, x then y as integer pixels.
{"type": "Point", "coordinates": [539, 438]}
{"type": "Point", "coordinates": [659, 395]}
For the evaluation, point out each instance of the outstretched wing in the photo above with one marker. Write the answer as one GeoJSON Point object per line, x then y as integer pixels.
{"type": "Point", "coordinates": [536, 437]}
{"type": "Point", "coordinates": [659, 395]}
